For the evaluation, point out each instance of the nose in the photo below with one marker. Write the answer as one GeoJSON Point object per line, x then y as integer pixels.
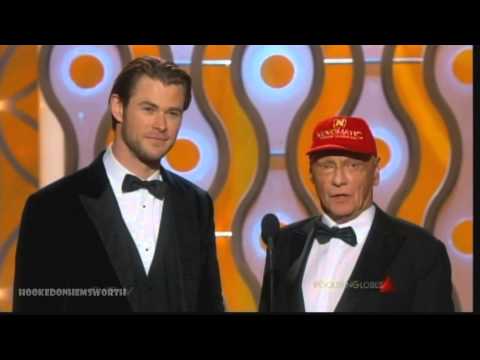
{"type": "Point", "coordinates": [339, 176]}
{"type": "Point", "coordinates": [160, 122]}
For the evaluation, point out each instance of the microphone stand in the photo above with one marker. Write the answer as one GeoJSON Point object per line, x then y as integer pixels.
{"type": "Point", "coordinates": [270, 268]}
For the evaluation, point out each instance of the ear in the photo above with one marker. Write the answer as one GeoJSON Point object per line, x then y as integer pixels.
{"type": "Point", "coordinates": [116, 108]}
{"type": "Point", "coordinates": [376, 176]}
{"type": "Point", "coordinates": [310, 173]}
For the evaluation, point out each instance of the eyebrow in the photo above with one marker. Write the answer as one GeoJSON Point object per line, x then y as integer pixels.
{"type": "Point", "coordinates": [149, 103]}
{"type": "Point", "coordinates": [175, 109]}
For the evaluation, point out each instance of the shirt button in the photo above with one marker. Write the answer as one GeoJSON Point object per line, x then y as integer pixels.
{"type": "Point", "coordinates": [143, 206]}
{"type": "Point", "coordinates": [146, 249]}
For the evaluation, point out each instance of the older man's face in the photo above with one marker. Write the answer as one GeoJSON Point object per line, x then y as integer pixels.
{"type": "Point", "coordinates": [344, 183]}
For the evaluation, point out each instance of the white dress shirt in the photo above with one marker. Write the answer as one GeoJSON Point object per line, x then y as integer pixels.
{"type": "Point", "coordinates": [141, 211]}
{"type": "Point", "coordinates": [330, 265]}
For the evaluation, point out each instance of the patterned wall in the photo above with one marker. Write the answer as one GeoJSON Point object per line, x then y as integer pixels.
{"type": "Point", "coordinates": [245, 135]}
{"type": "Point", "coordinates": [18, 151]}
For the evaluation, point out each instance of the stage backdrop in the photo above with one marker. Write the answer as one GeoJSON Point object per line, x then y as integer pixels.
{"type": "Point", "coordinates": [245, 135]}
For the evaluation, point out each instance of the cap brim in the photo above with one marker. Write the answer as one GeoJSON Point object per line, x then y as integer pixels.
{"type": "Point", "coordinates": [335, 147]}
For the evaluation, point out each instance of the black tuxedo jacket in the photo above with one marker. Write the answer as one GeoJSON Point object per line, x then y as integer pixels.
{"type": "Point", "coordinates": [401, 268]}
{"type": "Point", "coordinates": [72, 236]}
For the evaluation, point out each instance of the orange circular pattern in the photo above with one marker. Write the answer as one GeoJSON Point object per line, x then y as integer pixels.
{"type": "Point", "coordinates": [383, 151]}
{"type": "Point", "coordinates": [277, 71]}
{"type": "Point", "coordinates": [463, 66]}
{"type": "Point", "coordinates": [463, 237]}
{"type": "Point", "coordinates": [3, 105]}
{"type": "Point", "coordinates": [184, 156]}
{"type": "Point", "coordinates": [86, 71]}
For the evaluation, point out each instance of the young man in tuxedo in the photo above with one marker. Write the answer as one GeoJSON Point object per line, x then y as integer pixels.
{"type": "Point", "coordinates": [124, 234]}
{"type": "Point", "coordinates": [354, 257]}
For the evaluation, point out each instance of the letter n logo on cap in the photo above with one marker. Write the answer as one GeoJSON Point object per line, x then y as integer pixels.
{"type": "Point", "coordinates": [340, 123]}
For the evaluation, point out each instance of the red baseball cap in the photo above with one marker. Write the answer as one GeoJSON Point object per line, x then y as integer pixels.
{"type": "Point", "coordinates": [343, 133]}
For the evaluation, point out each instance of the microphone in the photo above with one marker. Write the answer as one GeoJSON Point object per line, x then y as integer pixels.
{"type": "Point", "coordinates": [270, 228]}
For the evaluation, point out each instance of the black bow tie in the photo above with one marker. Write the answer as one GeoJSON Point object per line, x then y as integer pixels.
{"type": "Point", "coordinates": [155, 187]}
{"type": "Point", "coordinates": [323, 233]}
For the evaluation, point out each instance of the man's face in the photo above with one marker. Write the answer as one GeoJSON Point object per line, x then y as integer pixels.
{"type": "Point", "coordinates": [149, 124]}
{"type": "Point", "coordinates": [344, 183]}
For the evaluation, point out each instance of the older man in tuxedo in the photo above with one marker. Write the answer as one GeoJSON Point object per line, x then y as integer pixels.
{"type": "Point", "coordinates": [354, 257]}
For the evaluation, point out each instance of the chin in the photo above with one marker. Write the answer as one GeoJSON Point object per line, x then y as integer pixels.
{"type": "Point", "coordinates": [151, 156]}
{"type": "Point", "coordinates": [338, 212]}
{"type": "Point", "coordinates": [157, 151]}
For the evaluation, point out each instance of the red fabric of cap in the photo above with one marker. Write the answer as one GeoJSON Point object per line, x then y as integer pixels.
{"type": "Point", "coordinates": [343, 133]}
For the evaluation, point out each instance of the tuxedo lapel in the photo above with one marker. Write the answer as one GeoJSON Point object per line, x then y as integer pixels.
{"type": "Point", "coordinates": [166, 258]}
{"type": "Point", "coordinates": [174, 239]}
{"type": "Point", "coordinates": [379, 251]}
{"type": "Point", "coordinates": [102, 208]}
